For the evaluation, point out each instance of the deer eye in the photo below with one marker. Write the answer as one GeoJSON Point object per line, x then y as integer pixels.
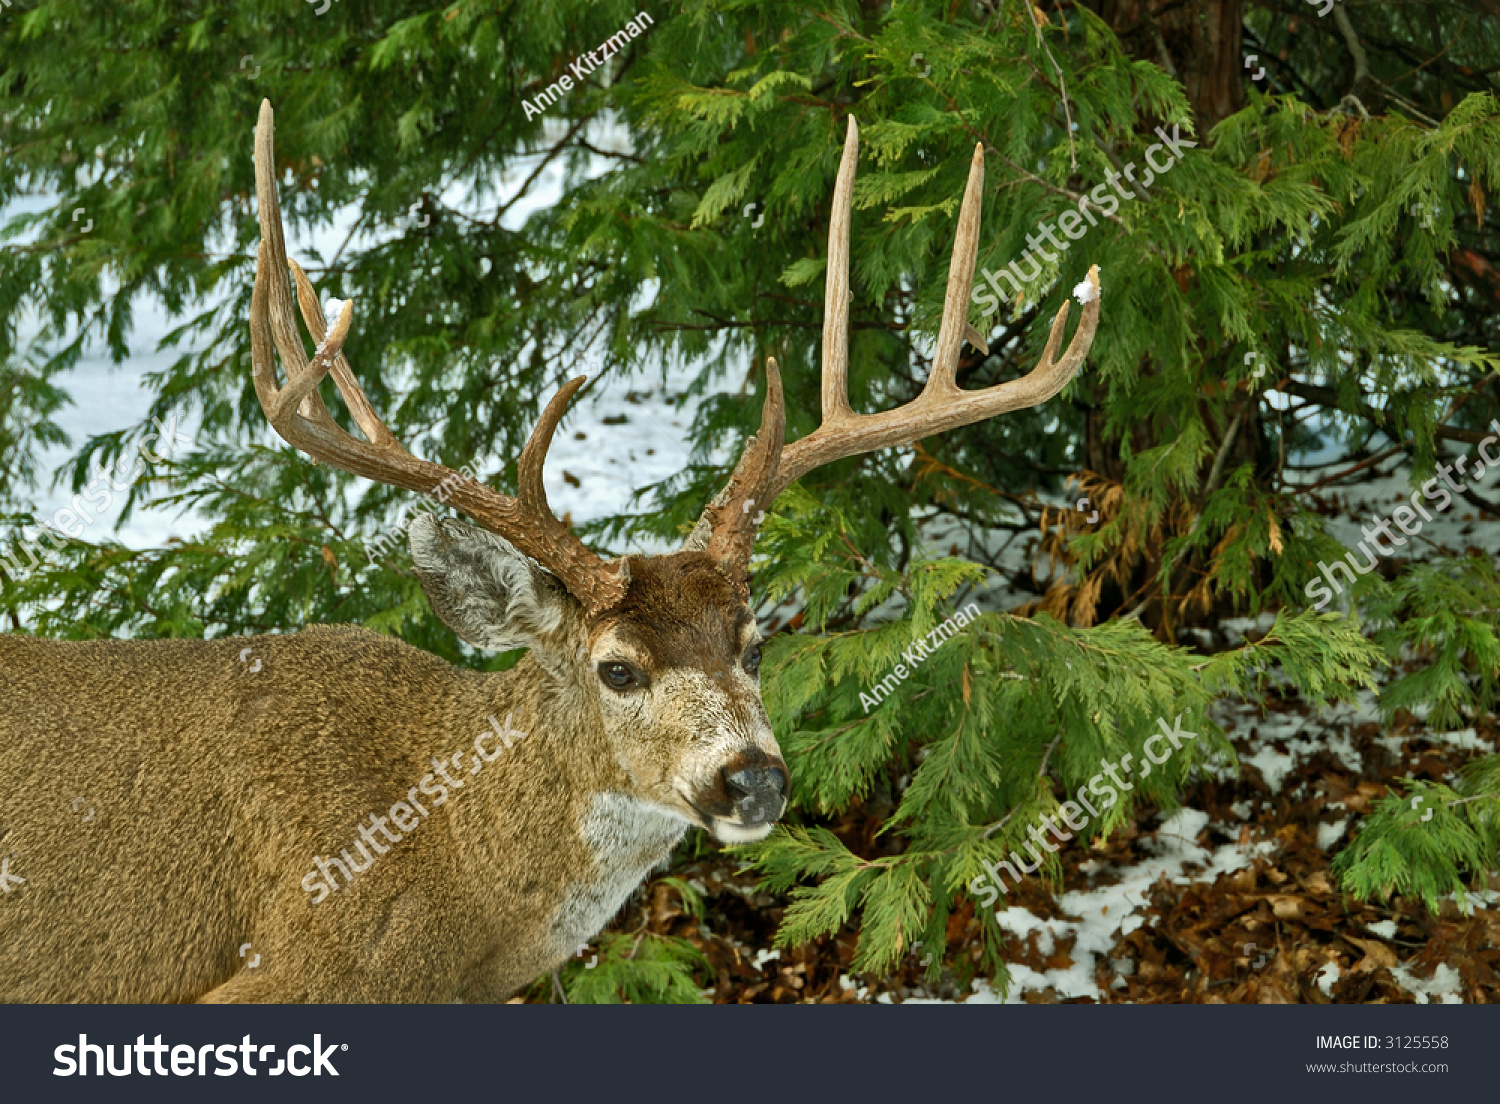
{"type": "Point", "coordinates": [752, 659]}
{"type": "Point", "coordinates": [619, 676]}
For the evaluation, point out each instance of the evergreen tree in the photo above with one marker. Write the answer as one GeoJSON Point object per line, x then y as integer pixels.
{"type": "Point", "coordinates": [1315, 264]}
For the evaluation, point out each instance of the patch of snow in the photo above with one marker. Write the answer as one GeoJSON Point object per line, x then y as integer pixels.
{"type": "Point", "coordinates": [1396, 745]}
{"type": "Point", "coordinates": [1445, 985]}
{"type": "Point", "coordinates": [1341, 746]}
{"type": "Point", "coordinates": [1473, 899]}
{"type": "Point", "coordinates": [762, 957]}
{"type": "Point", "coordinates": [985, 994]}
{"type": "Point", "coordinates": [1327, 977]}
{"type": "Point", "coordinates": [1386, 929]}
{"type": "Point", "coordinates": [1185, 824]}
{"type": "Point", "coordinates": [1465, 739]}
{"type": "Point", "coordinates": [1448, 531]}
{"type": "Point", "coordinates": [1297, 735]}
{"type": "Point", "coordinates": [1096, 918]}
{"type": "Point", "coordinates": [1273, 765]}
{"type": "Point", "coordinates": [1329, 834]}
{"type": "Point", "coordinates": [1020, 923]}
{"type": "Point", "coordinates": [846, 983]}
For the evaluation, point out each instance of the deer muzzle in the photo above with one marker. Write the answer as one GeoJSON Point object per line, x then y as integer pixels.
{"type": "Point", "coordinates": [757, 793]}
{"type": "Point", "coordinates": [749, 795]}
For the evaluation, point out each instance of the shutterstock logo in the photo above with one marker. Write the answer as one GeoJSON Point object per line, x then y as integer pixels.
{"type": "Point", "coordinates": [188, 1061]}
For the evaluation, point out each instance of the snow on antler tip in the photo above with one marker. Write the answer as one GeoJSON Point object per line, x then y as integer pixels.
{"type": "Point", "coordinates": [1088, 290]}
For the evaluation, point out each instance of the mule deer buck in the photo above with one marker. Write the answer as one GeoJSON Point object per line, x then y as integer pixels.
{"type": "Point", "coordinates": [214, 861]}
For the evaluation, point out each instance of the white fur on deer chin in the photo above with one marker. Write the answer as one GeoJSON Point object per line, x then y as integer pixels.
{"type": "Point", "coordinates": [627, 837]}
{"type": "Point", "coordinates": [729, 832]}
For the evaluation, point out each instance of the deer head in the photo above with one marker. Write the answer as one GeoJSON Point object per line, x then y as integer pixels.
{"type": "Point", "coordinates": [661, 653]}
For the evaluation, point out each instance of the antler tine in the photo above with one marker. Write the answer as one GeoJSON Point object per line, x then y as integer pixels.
{"type": "Point", "coordinates": [951, 334]}
{"type": "Point", "coordinates": [933, 412]}
{"type": "Point", "coordinates": [732, 525]}
{"type": "Point", "coordinates": [836, 294]}
{"type": "Point", "coordinates": [531, 493]}
{"type": "Point", "coordinates": [343, 375]}
{"type": "Point", "coordinates": [298, 394]}
{"type": "Point", "coordinates": [297, 412]}
{"type": "Point", "coordinates": [270, 302]}
{"type": "Point", "coordinates": [942, 405]}
{"type": "Point", "coordinates": [725, 526]}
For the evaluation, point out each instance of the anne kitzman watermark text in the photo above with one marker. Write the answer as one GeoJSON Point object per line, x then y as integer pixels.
{"type": "Point", "coordinates": [585, 64]}
{"type": "Point", "coordinates": [919, 650]}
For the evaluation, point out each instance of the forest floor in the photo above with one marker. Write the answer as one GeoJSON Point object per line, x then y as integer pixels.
{"type": "Point", "coordinates": [1228, 900]}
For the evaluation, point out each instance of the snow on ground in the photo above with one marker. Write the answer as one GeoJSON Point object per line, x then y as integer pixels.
{"type": "Point", "coordinates": [1330, 834]}
{"type": "Point", "coordinates": [1328, 976]}
{"type": "Point", "coordinates": [764, 956]}
{"type": "Point", "coordinates": [1097, 917]}
{"type": "Point", "coordinates": [1444, 987]}
{"type": "Point", "coordinates": [1452, 529]}
{"type": "Point", "coordinates": [1279, 742]}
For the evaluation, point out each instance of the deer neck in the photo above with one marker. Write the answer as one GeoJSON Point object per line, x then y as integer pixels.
{"type": "Point", "coordinates": [556, 809]}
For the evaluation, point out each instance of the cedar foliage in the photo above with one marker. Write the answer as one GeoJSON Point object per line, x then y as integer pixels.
{"type": "Point", "coordinates": [1334, 219]}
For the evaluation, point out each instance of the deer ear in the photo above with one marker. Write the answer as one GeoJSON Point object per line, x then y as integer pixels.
{"type": "Point", "coordinates": [483, 588]}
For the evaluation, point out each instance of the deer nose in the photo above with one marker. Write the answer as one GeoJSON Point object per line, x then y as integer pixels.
{"type": "Point", "coordinates": [758, 792]}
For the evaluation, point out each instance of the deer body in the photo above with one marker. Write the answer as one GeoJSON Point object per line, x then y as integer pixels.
{"type": "Point", "coordinates": [335, 816]}
{"type": "Point", "coordinates": [207, 794]}
{"type": "Point", "coordinates": [215, 789]}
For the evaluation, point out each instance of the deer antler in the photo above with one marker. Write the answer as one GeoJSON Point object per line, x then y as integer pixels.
{"type": "Point", "coordinates": [941, 406]}
{"type": "Point", "coordinates": [297, 413]}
